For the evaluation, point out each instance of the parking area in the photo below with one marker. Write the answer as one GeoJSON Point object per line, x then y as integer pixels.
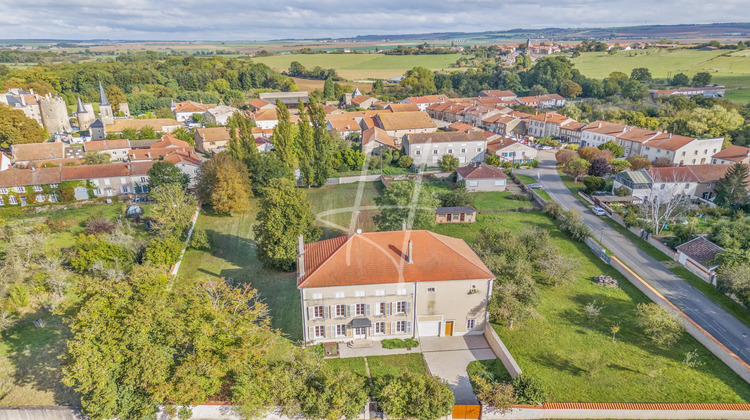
{"type": "Point", "coordinates": [448, 357]}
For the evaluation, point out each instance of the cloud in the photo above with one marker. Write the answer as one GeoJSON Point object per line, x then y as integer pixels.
{"type": "Point", "coordinates": [264, 20]}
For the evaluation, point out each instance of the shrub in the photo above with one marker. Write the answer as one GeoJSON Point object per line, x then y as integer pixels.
{"type": "Point", "coordinates": [594, 183]}
{"type": "Point", "coordinates": [553, 209]}
{"type": "Point", "coordinates": [57, 226]}
{"type": "Point", "coordinates": [20, 295]}
{"type": "Point", "coordinates": [622, 191]}
{"type": "Point", "coordinates": [661, 326]}
{"type": "Point", "coordinates": [397, 343]}
{"type": "Point", "coordinates": [519, 197]}
{"type": "Point", "coordinates": [573, 225]}
{"type": "Point", "coordinates": [163, 251]}
{"type": "Point", "coordinates": [405, 161]}
{"type": "Point", "coordinates": [200, 239]}
{"type": "Point", "coordinates": [409, 395]}
{"type": "Point", "coordinates": [99, 225]}
{"type": "Point", "coordinates": [529, 390]}
{"type": "Point", "coordinates": [564, 156]}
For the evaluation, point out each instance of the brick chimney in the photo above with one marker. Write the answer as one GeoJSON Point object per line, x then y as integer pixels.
{"type": "Point", "coordinates": [409, 256]}
{"type": "Point", "coordinates": [403, 224]}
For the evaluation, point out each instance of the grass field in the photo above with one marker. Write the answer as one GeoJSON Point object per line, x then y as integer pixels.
{"type": "Point", "coordinates": [340, 199]}
{"type": "Point", "coordinates": [381, 366]}
{"type": "Point", "coordinates": [577, 360]}
{"type": "Point", "coordinates": [357, 67]}
{"type": "Point", "coordinates": [498, 201]}
{"type": "Point", "coordinates": [729, 68]}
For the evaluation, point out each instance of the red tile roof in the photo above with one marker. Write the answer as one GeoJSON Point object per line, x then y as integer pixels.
{"type": "Point", "coordinates": [106, 145]}
{"type": "Point", "coordinates": [672, 174]}
{"type": "Point", "coordinates": [733, 153]}
{"type": "Point", "coordinates": [480, 172]}
{"type": "Point", "coordinates": [445, 137]}
{"type": "Point", "coordinates": [406, 107]}
{"type": "Point", "coordinates": [380, 258]}
{"type": "Point", "coordinates": [36, 151]}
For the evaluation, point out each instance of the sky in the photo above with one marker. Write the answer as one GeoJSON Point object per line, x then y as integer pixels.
{"type": "Point", "coordinates": [228, 20]}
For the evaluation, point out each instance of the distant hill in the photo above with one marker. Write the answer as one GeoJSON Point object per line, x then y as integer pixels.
{"type": "Point", "coordinates": [694, 31]}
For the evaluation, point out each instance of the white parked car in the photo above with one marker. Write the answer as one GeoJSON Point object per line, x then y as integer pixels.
{"type": "Point", "coordinates": [598, 211]}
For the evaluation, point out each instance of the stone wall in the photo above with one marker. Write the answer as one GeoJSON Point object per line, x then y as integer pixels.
{"type": "Point", "coordinates": [502, 352]}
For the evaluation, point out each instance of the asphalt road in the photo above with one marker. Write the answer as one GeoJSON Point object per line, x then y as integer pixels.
{"type": "Point", "coordinates": [719, 323]}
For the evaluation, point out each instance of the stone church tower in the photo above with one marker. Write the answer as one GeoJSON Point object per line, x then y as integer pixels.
{"type": "Point", "coordinates": [85, 116]}
{"type": "Point", "coordinates": [54, 114]}
{"type": "Point", "coordinates": [105, 109]}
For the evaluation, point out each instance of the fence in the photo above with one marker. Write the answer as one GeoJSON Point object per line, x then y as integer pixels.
{"type": "Point", "coordinates": [621, 411]}
{"type": "Point", "coordinates": [502, 353]}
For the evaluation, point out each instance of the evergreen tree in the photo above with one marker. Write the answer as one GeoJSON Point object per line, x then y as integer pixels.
{"type": "Point", "coordinates": [283, 137]}
{"type": "Point", "coordinates": [731, 191]}
{"type": "Point", "coordinates": [305, 146]}
{"type": "Point", "coordinates": [241, 139]}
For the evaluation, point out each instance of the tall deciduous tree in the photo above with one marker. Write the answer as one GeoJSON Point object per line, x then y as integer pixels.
{"type": "Point", "coordinates": [570, 89]}
{"type": "Point", "coordinates": [225, 184]}
{"type": "Point", "coordinates": [639, 162]}
{"type": "Point", "coordinates": [634, 90]}
{"type": "Point", "coordinates": [283, 137]}
{"type": "Point", "coordinates": [612, 146]}
{"type": "Point", "coordinates": [641, 74]}
{"type": "Point", "coordinates": [406, 201]}
{"type": "Point", "coordinates": [731, 191]}
{"type": "Point", "coordinates": [419, 81]}
{"type": "Point", "coordinates": [305, 146]}
{"type": "Point", "coordinates": [409, 395]}
{"type": "Point", "coordinates": [173, 209]}
{"type": "Point", "coordinates": [323, 148]}
{"type": "Point", "coordinates": [284, 214]}
{"type": "Point", "coordinates": [17, 128]}
{"type": "Point", "coordinates": [163, 173]}
{"type": "Point", "coordinates": [577, 168]}
{"type": "Point", "coordinates": [187, 341]}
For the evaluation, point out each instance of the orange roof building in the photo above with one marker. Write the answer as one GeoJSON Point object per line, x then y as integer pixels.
{"type": "Point", "coordinates": [396, 284]}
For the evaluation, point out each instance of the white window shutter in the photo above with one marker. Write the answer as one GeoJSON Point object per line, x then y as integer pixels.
{"type": "Point", "coordinates": [393, 327]}
{"type": "Point", "coordinates": [348, 331]}
{"type": "Point", "coordinates": [408, 307]}
{"type": "Point", "coordinates": [326, 313]}
{"type": "Point", "coordinates": [408, 327]}
{"type": "Point", "coordinates": [310, 312]}
{"type": "Point", "coordinates": [367, 309]}
{"type": "Point", "coordinates": [387, 327]}
{"type": "Point", "coordinates": [311, 333]}
{"type": "Point", "coordinates": [328, 331]}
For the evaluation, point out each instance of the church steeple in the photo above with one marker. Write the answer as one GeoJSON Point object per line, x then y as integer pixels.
{"type": "Point", "coordinates": [81, 109]}
{"type": "Point", "coordinates": [102, 97]}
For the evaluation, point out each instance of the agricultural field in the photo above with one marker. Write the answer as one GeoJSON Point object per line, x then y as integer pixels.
{"type": "Point", "coordinates": [358, 67]}
{"type": "Point", "coordinates": [728, 67]}
{"type": "Point", "coordinates": [312, 84]}
{"type": "Point", "coordinates": [577, 360]}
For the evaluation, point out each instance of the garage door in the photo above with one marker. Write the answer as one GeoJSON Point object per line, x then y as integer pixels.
{"type": "Point", "coordinates": [429, 329]}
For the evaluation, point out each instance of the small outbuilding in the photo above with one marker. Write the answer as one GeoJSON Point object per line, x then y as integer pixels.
{"type": "Point", "coordinates": [455, 215]}
{"type": "Point", "coordinates": [697, 256]}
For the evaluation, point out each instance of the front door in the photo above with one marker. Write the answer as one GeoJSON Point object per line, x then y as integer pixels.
{"type": "Point", "coordinates": [463, 217]}
{"type": "Point", "coordinates": [360, 332]}
{"type": "Point", "coordinates": [449, 217]}
{"type": "Point", "coordinates": [448, 328]}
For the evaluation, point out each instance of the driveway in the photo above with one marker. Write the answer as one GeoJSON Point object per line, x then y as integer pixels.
{"type": "Point", "coordinates": [714, 319]}
{"type": "Point", "coordinates": [448, 357]}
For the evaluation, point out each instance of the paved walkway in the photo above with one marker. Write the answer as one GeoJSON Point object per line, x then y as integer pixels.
{"type": "Point", "coordinates": [710, 316]}
{"type": "Point", "coordinates": [448, 357]}
{"type": "Point", "coordinates": [376, 350]}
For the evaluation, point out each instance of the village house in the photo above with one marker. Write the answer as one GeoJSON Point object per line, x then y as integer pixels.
{"type": "Point", "coordinates": [164, 125]}
{"type": "Point", "coordinates": [681, 150]}
{"type": "Point", "coordinates": [732, 154]}
{"type": "Point", "coordinates": [511, 124]}
{"type": "Point", "coordinates": [398, 284]}
{"type": "Point", "coordinates": [27, 186]}
{"type": "Point", "coordinates": [375, 140]}
{"type": "Point", "coordinates": [658, 183]}
{"type": "Point", "coordinates": [290, 99]}
{"type": "Point", "coordinates": [219, 114]}
{"type": "Point", "coordinates": [399, 124]}
{"type": "Point", "coordinates": [430, 148]}
{"type": "Point", "coordinates": [424, 101]}
{"type": "Point", "coordinates": [363, 101]}
{"type": "Point", "coordinates": [183, 111]}
{"type": "Point", "coordinates": [259, 104]}
{"type": "Point", "coordinates": [547, 124]}
{"type": "Point", "coordinates": [28, 154]}
{"type": "Point", "coordinates": [570, 132]}
{"type": "Point", "coordinates": [118, 149]}
{"type": "Point", "coordinates": [504, 95]}
{"type": "Point", "coordinates": [542, 101]}
{"type": "Point", "coordinates": [482, 177]}
{"type": "Point", "coordinates": [455, 215]}
{"type": "Point", "coordinates": [708, 176]}
{"type": "Point", "coordinates": [462, 127]}
{"type": "Point", "coordinates": [402, 107]}
{"type": "Point", "coordinates": [267, 119]}
{"type": "Point", "coordinates": [632, 139]}
{"type": "Point", "coordinates": [509, 150]}
{"type": "Point", "coordinates": [600, 132]}
{"type": "Point", "coordinates": [711, 91]}
{"type": "Point", "coordinates": [211, 140]}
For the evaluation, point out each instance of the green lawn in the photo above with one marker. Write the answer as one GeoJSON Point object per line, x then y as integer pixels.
{"type": "Point", "coordinates": [381, 366]}
{"type": "Point", "coordinates": [362, 66]}
{"type": "Point", "coordinates": [341, 199]}
{"type": "Point", "coordinates": [233, 256]}
{"type": "Point", "coordinates": [576, 359]}
{"type": "Point", "coordinates": [498, 201]}
{"type": "Point", "coordinates": [729, 68]}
